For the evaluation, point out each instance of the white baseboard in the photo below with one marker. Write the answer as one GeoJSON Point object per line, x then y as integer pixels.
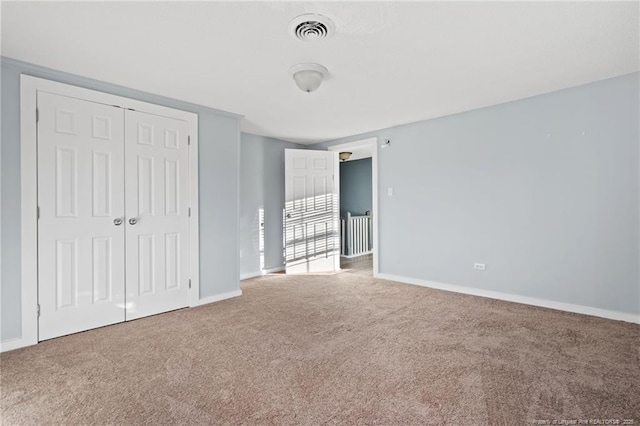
{"type": "Point", "coordinates": [9, 345]}
{"type": "Point", "coordinates": [250, 275]}
{"type": "Point", "coordinates": [356, 255]}
{"type": "Point", "coordinates": [261, 273]}
{"type": "Point", "coordinates": [578, 309]}
{"type": "Point", "coordinates": [218, 297]}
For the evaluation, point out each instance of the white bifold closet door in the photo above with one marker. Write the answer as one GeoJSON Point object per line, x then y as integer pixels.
{"type": "Point", "coordinates": [81, 268]}
{"type": "Point", "coordinates": [157, 204]}
{"type": "Point", "coordinates": [113, 229]}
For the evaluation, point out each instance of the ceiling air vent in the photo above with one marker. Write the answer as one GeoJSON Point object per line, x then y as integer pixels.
{"type": "Point", "coordinates": [311, 27]}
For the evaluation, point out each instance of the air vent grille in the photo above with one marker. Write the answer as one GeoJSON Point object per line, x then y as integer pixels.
{"type": "Point", "coordinates": [311, 27]}
{"type": "Point", "coordinates": [311, 30]}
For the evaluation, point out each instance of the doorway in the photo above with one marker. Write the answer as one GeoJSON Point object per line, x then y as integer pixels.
{"type": "Point", "coordinates": [358, 206]}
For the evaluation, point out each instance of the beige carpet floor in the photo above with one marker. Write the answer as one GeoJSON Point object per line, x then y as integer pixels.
{"type": "Point", "coordinates": [341, 349]}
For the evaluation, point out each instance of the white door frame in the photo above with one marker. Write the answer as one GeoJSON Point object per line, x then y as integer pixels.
{"type": "Point", "coordinates": [371, 143]}
{"type": "Point", "coordinates": [29, 88]}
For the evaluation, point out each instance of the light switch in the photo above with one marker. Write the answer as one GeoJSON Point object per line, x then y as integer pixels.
{"type": "Point", "coordinates": [390, 192]}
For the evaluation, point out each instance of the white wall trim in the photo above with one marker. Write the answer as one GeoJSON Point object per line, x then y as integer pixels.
{"type": "Point", "coordinates": [29, 88]}
{"type": "Point", "coordinates": [250, 275]}
{"type": "Point", "coordinates": [561, 306]}
{"type": "Point", "coordinates": [356, 255]}
{"type": "Point", "coordinates": [28, 212]}
{"type": "Point", "coordinates": [218, 297]}
{"type": "Point", "coordinates": [371, 143]}
{"type": "Point", "coordinates": [194, 205]}
{"type": "Point", "coordinates": [12, 344]}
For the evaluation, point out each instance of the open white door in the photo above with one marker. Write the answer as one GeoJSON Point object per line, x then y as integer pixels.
{"type": "Point", "coordinates": [311, 211]}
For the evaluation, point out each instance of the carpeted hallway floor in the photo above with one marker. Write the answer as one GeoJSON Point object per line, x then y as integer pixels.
{"type": "Point", "coordinates": [337, 349]}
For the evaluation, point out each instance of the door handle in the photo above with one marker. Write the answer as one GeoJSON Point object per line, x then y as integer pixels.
{"type": "Point", "coordinates": [133, 221]}
{"type": "Point", "coordinates": [288, 215]}
{"type": "Point", "coordinates": [117, 221]}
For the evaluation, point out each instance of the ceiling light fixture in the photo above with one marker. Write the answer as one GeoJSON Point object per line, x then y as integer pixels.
{"type": "Point", "coordinates": [344, 156]}
{"type": "Point", "coordinates": [308, 76]}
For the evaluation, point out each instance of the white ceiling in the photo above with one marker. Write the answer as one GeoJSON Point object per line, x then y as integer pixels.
{"type": "Point", "coordinates": [389, 62]}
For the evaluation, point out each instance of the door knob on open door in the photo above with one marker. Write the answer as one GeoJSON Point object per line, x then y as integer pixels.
{"type": "Point", "coordinates": [133, 221]}
{"type": "Point", "coordinates": [117, 221]}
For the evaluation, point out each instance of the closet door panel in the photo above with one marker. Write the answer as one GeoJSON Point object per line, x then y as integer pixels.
{"type": "Point", "coordinates": [81, 268]}
{"type": "Point", "coordinates": [157, 223]}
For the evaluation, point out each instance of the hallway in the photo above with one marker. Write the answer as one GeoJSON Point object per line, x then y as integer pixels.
{"type": "Point", "coordinates": [361, 265]}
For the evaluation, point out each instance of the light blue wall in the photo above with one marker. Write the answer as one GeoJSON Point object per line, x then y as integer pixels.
{"type": "Point", "coordinates": [261, 187]}
{"type": "Point", "coordinates": [544, 190]}
{"type": "Point", "coordinates": [219, 139]}
{"type": "Point", "coordinates": [355, 186]}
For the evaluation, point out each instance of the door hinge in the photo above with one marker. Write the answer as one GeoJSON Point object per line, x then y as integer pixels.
{"type": "Point", "coordinates": [38, 310]}
{"type": "Point", "coordinates": [189, 211]}
{"type": "Point", "coordinates": [189, 140]}
{"type": "Point", "coordinates": [38, 214]}
{"type": "Point", "coordinates": [189, 282]}
{"type": "Point", "coordinates": [37, 115]}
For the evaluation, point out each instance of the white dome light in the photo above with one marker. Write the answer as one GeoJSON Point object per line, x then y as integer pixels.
{"type": "Point", "coordinates": [308, 76]}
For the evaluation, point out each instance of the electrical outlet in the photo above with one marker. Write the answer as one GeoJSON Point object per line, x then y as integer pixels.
{"type": "Point", "coordinates": [479, 266]}
{"type": "Point", "coordinates": [390, 192]}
